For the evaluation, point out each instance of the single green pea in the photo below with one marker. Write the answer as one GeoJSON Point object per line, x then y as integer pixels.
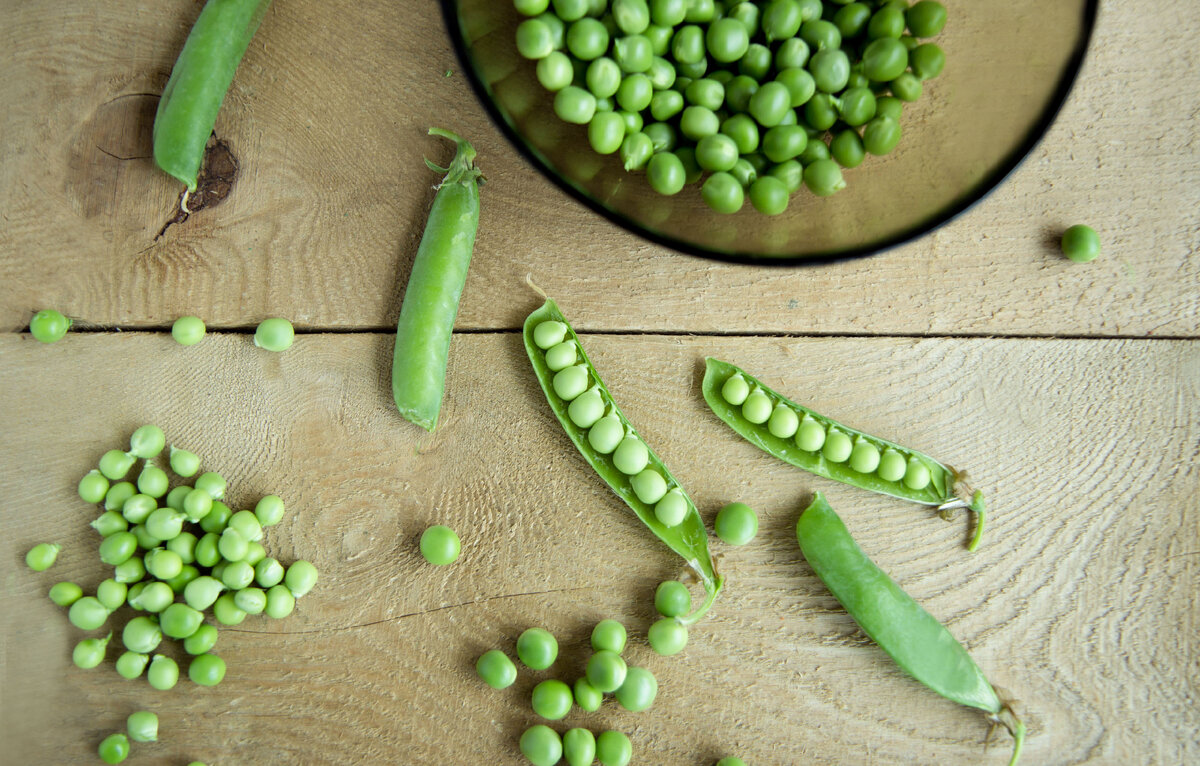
{"type": "Point", "coordinates": [756, 63]}
{"type": "Point", "coordinates": [232, 545]}
{"type": "Point", "coordinates": [672, 599]}
{"type": "Point", "coordinates": [280, 602]}
{"type": "Point", "coordinates": [810, 436]}
{"type": "Point", "coordinates": [570, 382]}
{"type": "Point", "coordinates": [631, 456]}
{"type": "Point", "coordinates": [769, 104]}
{"type": "Point", "coordinates": [723, 193]}
{"type": "Point", "coordinates": [824, 178]}
{"type": "Point", "coordinates": [916, 475]}
{"type": "Point", "coordinates": [638, 691]}
{"type": "Point", "coordinates": [838, 446]}
{"type": "Point", "coordinates": [821, 35]}
{"type": "Point", "coordinates": [541, 745]}
{"type": "Point", "coordinates": [226, 611]}
{"type": "Point", "coordinates": [907, 87]}
{"type": "Point", "coordinates": [846, 148]}
{"type": "Point", "coordinates": [65, 593]}
{"type": "Point", "coordinates": [892, 465]}
{"type": "Point", "coordinates": [163, 673]}
{"type": "Point", "coordinates": [587, 39]}
{"type": "Point", "coordinates": [927, 61]}
{"type": "Point", "coordinates": [783, 422]}
{"type": "Point", "coordinates": [549, 333]}
{"type": "Point", "coordinates": [705, 92]}
{"type": "Point", "coordinates": [665, 173]}
{"type": "Point", "coordinates": [735, 390]}
{"type": "Point", "coordinates": [180, 620]}
{"type": "Point", "coordinates": [268, 573]}
{"type": "Point", "coordinates": [147, 441]}
{"type": "Point", "coordinates": [552, 699]}
{"type": "Point", "coordinates": [606, 671]}
{"type": "Point", "coordinates": [662, 139]}
{"type": "Point", "coordinates": [606, 434]}
{"type": "Point", "coordinates": [145, 540]}
{"type": "Point", "coordinates": [114, 464]}
{"type": "Point", "coordinates": [188, 330]}
{"type": "Point", "coordinates": [184, 463]}
{"type": "Point", "coordinates": [736, 524]}
{"type": "Point", "coordinates": [649, 486]}
{"type": "Point", "coordinates": [93, 486]}
{"type": "Point", "coordinates": [799, 83]}
{"type": "Point", "coordinates": [89, 652]}
{"type": "Point", "coordinates": [300, 578]}
{"type": "Point", "coordinates": [208, 552]}
{"type": "Point", "coordinates": [633, 53]}
{"type": "Point", "coordinates": [820, 113]}
{"type": "Point", "coordinates": [784, 142]}
{"type": "Point", "coordinates": [277, 333]}
{"type": "Point", "coordinates": [197, 504]}
{"type": "Point", "coordinates": [606, 131]}
{"type": "Point", "coordinates": [162, 563]}
{"type": "Point", "coordinates": [181, 580]}
{"type": "Point", "coordinates": [881, 135]}
{"type": "Point", "coordinates": [635, 93]}
{"type": "Point", "coordinates": [667, 636]}
{"type": "Point", "coordinates": [131, 664]}
{"type": "Point", "coordinates": [130, 571]}
{"type": "Point", "coordinates": [250, 600]}
{"type": "Point", "coordinates": [727, 40]}
{"type": "Point", "coordinates": [142, 726]}
{"type": "Point", "coordinates": [213, 483]}
{"type": "Point", "coordinates": [531, 7]}
{"type": "Point", "coordinates": [587, 697]}
{"type": "Point", "coordinates": [661, 73]}
{"type": "Point", "coordinates": [555, 71]}
{"type": "Point", "coordinates": [609, 634]}
{"type": "Point", "coordinates": [154, 597]}
{"type": "Point", "coordinates": [1080, 243]}
{"type": "Point", "coordinates": [135, 594]}
{"type": "Point", "coordinates": [696, 122]}
{"type": "Point", "coordinates": [668, 13]}
{"type": "Point", "coordinates": [42, 556]}
{"type": "Point", "coordinates": [613, 748]}
{"type": "Point", "coordinates": [184, 546]}
{"type": "Point", "coordinates": [202, 641]}
{"type": "Point", "coordinates": [87, 613]}
{"type": "Point", "coordinates": [176, 495]}
{"type": "Point", "coordinates": [865, 457]}
{"type": "Point", "coordinates": [631, 16]}
{"type": "Point", "coordinates": [672, 508]}
{"type": "Point", "coordinates": [534, 41]}
{"type": "Point", "coordinates": [739, 91]}
{"type": "Point", "coordinates": [884, 59]}
{"type": "Point", "coordinates": [114, 748]}
{"type": "Point", "coordinates": [926, 18]}
{"type": "Point", "coordinates": [537, 648]}
{"type": "Point", "coordinates": [202, 592]}
{"type": "Point", "coordinates": [564, 354]}
{"type": "Point", "coordinates": [495, 669]}
{"type": "Point", "coordinates": [138, 508]}
{"type": "Point", "coordinates": [247, 525]}
{"type": "Point", "coordinates": [115, 548]}
{"type": "Point", "coordinates": [857, 106]}
{"type": "Point", "coordinates": [781, 20]}
{"type": "Point", "coordinates": [830, 69]}
{"type": "Point", "coordinates": [237, 575]}
{"type": "Point", "coordinates": [579, 747]}
{"type": "Point", "coordinates": [687, 47]}
{"type": "Point", "coordinates": [49, 326]}
{"type": "Point", "coordinates": [440, 545]}
{"type": "Point", "coordinates": [888, 21]}
{"type": "Point", "coordinates": [739, 135]}
{"type": "Point", "coordinates": [888, 106]}
{"type": "Point", "coordinates": [701, 11]}
{"type": "Point", "coordinates": [665, 104]}
{"type": "Point", "coordinates": [111, 594]}
{"type": "Point", "coordinates": [117, 495]}
{"type": "Point", "coordinates": [207, 670]}
{"type": "Point", "coordinates": [757, 408]}
{"type": "Point", "coordinates": [141, 635]}
{"type": "Point", "coordinates": [217, 517]}
{"type": "Point", "coordinates": [792, 53]}
{"type": "Point", "coordinates": [165, 524]}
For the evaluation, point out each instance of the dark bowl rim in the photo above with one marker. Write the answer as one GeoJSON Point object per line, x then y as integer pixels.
{"type": "Point", "coordinates": [988, 184]}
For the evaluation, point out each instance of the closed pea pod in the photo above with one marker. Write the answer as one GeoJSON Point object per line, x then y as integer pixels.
{"type": "Point", "coordinates": [611, 446]}
{"type": "Point", "coordinates": [918, 643]}
{"type": "Point", "coordinates": [828, 448]}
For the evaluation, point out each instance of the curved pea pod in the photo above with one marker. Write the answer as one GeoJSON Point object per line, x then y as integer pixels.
{"type": "Point", "coordinates": [202, 75]}
{"type": "Point", "coordinates": [921, 480]}
{"type": "Point", "coordinates": [689, 537]}
{"type": "Point", "coordinates": [911, 636]}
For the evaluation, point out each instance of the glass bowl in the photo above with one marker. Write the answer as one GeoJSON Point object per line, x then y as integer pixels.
{"type": "Point", "coordinates": [1009, 67]}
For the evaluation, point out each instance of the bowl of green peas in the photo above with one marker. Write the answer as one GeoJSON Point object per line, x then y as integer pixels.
{"type": "Point", "coordinates": [773, 131]}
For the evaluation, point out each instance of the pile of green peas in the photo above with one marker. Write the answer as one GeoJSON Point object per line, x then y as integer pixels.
{"type": "Point", "coordinates": [176, 554]}
{"type": "Point", "coordinates": [762, 96]}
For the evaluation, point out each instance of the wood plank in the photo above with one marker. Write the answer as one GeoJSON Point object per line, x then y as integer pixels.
{"type": "Point", "coordinates": [1078, 603]}
{"type": "Point", "coordinates": [325, 218]}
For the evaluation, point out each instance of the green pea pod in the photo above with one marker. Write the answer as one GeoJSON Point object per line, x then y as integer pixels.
{"type": "Point", "coordinates": [202, 75]}
{"type": "Point", "coordinates": [431, 299]}
{"type": "Point", "coordinates": [946, 488]}
{"type": "Point", "coordinates": [918, 643]}
{"type": "Point", "coordinates": [688, 538]}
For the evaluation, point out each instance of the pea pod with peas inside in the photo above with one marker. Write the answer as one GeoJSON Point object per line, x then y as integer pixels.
{"type": "Point", "coordinates": [609, 443]}
{"type": "Point", "coordinates": [797, 435]}
{"type": "Point", "coordinates": [919, 644]}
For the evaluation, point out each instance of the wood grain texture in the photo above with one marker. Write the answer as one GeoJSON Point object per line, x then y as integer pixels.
{"type": "Point", "coordinates": [1079, 603]}
{"type": "Point", "coordinates": [328, 113]}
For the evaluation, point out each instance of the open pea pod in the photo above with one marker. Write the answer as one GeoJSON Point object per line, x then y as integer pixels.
{"type": "Point", "coordinates": [585, 408]}
{"type": "Point", "coordinates": [862, 460]}
{"type": "Point", "coordinates": [911, 636]}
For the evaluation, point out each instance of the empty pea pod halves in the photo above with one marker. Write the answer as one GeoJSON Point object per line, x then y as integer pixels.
{"type": "Point", "coordinates": [797, 435]}
{"type": "Point", "coordinates": [608, 441]}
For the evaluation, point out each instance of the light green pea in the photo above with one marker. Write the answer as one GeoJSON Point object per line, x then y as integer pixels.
{"type": "Point", "coordinates": [268, 573]}
{"type": "Point", "coordinates": [135, 594]}
{"type": "Point", "coordinates": [638, 691]}
{"type": "Point", "coordinates": [587, 697]}
{"type": "Point", "coordinates": [562, 355]}
{"type": "Point", "coordinates": [837, 446]}
{"type": "Point", "coordinates": [606, 131]}
{"type": "Point", "coordinates": [165, 523]}
{"type": "Point", "coordinates": [153, 481]}
{"type": "Point", "coordinates": [202, 592]}
{"type": "Point", "coordinates": [110, 522]}
{"type": "Point", "coordinates": [207, 670]}
{"type": "Point", "coordinates": [118, 494]}
{"type": "Point", "coordinates": [649, 486]}
{"type": "Point", "coordinates": [672, 599]}
{"type": "Point", "coordinates": [184, 546]}
{"type": "Point", "coordinates": [114, 464]}
{"type": "Point", "coordinates": [280, 602]}
{"type": "Point", "coordinates": [496, 669]}
{"type": "Point", "coordinates": [87, 613]}
{"type": "Point", "coordinates": [736, 524]}
{"type": "Point", "coordinates": [269, 510]}
{"type": "Point", "coordinates": [672, 508]}
{"type": "Point", "coordinates": [142, 726]}
{"type": "Point", "coordinates": [176, 496]}
{"type": "Point", "coordinates": [207, 551]}
{"type": "Point", "coordinates": [300, 578]}
{"type": "Point", "coordinates": [89, 652]}
{"type": "Point", "coordinates": [154, 597]}
{"type": "Point", "coordinates": [555, 71]}
{"type": "Point", "coordinates": [784, 421]}
{"type": "Point", "coordinates": [541, 745]}
{"type": "Point", "coordinates": [162, 563]}
{"type": "Point", "coordinates": [549, 333]}
{"type": "Point", "coordinates": [587, 408]}
{"type": "Point", "coordinates": [237, 575]}
{"type": "Point", "coordinates": [216, 519]}
{"type": "Point", "coordinates": [226, 611]}
{"type": "Point", "coordinates": [570, 382]}
{"type": "Point", "coordinates": [735, 390]}
{"type": "Point", "coordinates": [606, 671]}
{"type": "Point", "coordinates": [65, 593]}
{"type": "Point", "coordinates": [114, 748]}
{"type": "Point", "coordinates": [184, 463]}
{"type": "Point", "coordinates": [130, 571]}
{"type": "Point", "coordinates": [275, 334]}
{"type": "Point", "coordinates": [117, 547]}
{"type": "Point", "coordinates": [916, 475]}
{"type": "Point", "coordinates": [537, 648]}
{"type": "Point", "coordinates": [202, 641]}
{"type": "Point", "coordinates": [609, 634]}
{"type": "Point", "coordinates": [613, 748]}
{"type": "Point", "coordinates": [163, 673]}
{"type": "Point", "coordinates": [631, 456]}
{"type": "Point", "coordinates": [93, 486]}
{"type": "Point", "coordinates": [246, 524]}
{"type": "Point", "coordinates": [551, 699]}
{"type": "Point", "coordinates": [43, 555]}
{"type": "Point", "coordinates": [865, 457]}
{"type": "Point", "coordinates": [131, 664]}
{"type": "Point", "coordinates": [892, 465]}
{"type": "Point", "coordinates": [213, 483]}
{"type": "Point", "coordinates": [606, 434]}
{"type": "Point", "coordinates": [112, 594]}
{"type": "Point", "coordinates": [757, 408]}
{"type": "Point", "coordinates": [810, 436]}
{"type": "Point", "coordinates": [180, 620]}
{"type": "Point", "coordinates": [147, 441]}
{"type": "Point", "coordinates": [138, 508]}
{"type": "Point", "coordinates": [185, 576]}
{"type": "Point", "coordinates": [141, 635]}
{"type": "Point", "coordinates": [232, 545]}
{"type": "Point", "coordinates": [250, 600]}
{"type": "Point", "coordinates": [188, 330]}
{"type": "Point", "coordinates": [145, 540]}
{"type": "Point", "coordinates": [579, 747]}
{"type": "Point", "coordinates": [255, 552]}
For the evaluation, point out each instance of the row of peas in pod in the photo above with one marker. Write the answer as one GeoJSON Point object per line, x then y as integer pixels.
{"type": "Point", "coordinates": [753, 99]}
{"type": "Point", "coordinates": [176, 553]}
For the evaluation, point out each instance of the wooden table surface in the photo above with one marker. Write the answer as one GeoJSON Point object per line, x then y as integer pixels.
{"type": "Point", "coordinates": [1070, 392]}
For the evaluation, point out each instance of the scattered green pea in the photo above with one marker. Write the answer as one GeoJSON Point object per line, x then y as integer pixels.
{"type": "Point", "coordinates": [147, 441]}
{"type": "Point", "coordinates": [537, 648]}
{"type": "Point", "coordinates": [275, 334]}
{"type": "Point", "coordinates": [496, 669]}
{"type": "Point", "coordinates": [736, 524]}
{"type": "Point", "coordinates": [206, 670]}
{"type": "Point", "coordinates": [672, 508]}
{"type": "Point", "coordinates": [638, 691]}
{"type": "Point", "coordinates": [269, 510]}
{"type": "Point", "coordinates": [1080, 243]}
{"type": "Point", "coordinates": [440, 545]}
{"type": "Point", "coordinates": [93, 487]}
{"type": "Point", "coordinates": [579, 747]}
{"type": "Point", "coordinates": [188, 330]}
{"type": "Point", "coordinates": [142, 726]}
{"type": "Point", "coordinates": [587, 697]}
{"type": "Point", "coordinates": [49, 326]}
{"type": "Point", "coordinates": [130, 570]}
{"type": "Point", "coordinates": [280, 602]}
{"type": "Point", "coordinates": [226, 611]}
{"type": "Point", "coordinates": [117, 495]}
{"type": "Point", "coordinates": [89, 652]}
{"type": "Point", "coordinates": [184, 463]}
{"type": "Point", "coordinates": [672, 599]}
{"type": "Point", "coordinates": [114, 748]}
{"type": "Point", "coordinates": [667, 636]}
{"type": "Point", "coordinates": [613, 748]}
{"type": "Point", "coordinates": [163, 673]}
{"type": "Point", "coordinates": [551, 699]}
{"type": "Point", "coordinates": [131, 664]}
{"type": "Point", "coordinates": [154, 597]}
{"type": "Point", "coordinates": [300, 578]}
{"type": "Point", "coordinates": [541, 745]}
{"type": "Point", "coordinates": [609, 634]}
{"type": "Point", "coordinates": [65, 593]}
{"type": "Point", "coordinates": [606, 671]}
{"type": "Point", "coordinates": [141, 635]}
{"type": "Point", "coordinates": [111, 594]}
{"type": "Point", "coordinates": [202, 641]}
{"type": "Point", "coordinates": [42, 556]}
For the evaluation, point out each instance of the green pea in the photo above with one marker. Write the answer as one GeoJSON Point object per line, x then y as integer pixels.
{"type": "Point", "coordinates": [662, 138]}
{"type": "Point", "coordinates": [757, 408]}
{"type": "Point", "coordinates": [213, 483]}
{"type": "Point", "coordinates": [606, 434]}
{"type": "Point", "coordinates": [609, 634]}
{"type": "Point", "coordinates": [114, 464]}
{"type": "Point", "coordinates": [926, 18]}
{"type": "Point", "coordinates": [202, 641]}
{"type": "Point", "coordinates": [606, 671]}
{"type": "Point", "coordinates": [888, 21]}
{"type": "Point", "coordinates": [727, 40]}
{"type": "Point", "coordinates": [668, 13]}
{"type": "Point", "coordinates": [756, 63]}
{"type": "Point", "coordinates": [587, 39]}
{"type": "Point", "coordinates": [237, 575]}
{"type": "Point", "coordinates": [155, 597]}
{"type": "Point", "coordinates": [1080, 243]}
{"type": "Point", "coordinates": [635, 93]}
{"type": "Point", "coordinates": [916, 475]}
{"type": "Point", "coordinates": [613, 748]}
{"type": "Point", "coordinates": [735, 390]}
{"type": "Point", "coordinates": [731, 762]}
{"type": "Point", "coordinates": [865, 457]}
{"type": "Point", "coordinates": [188, 330]}
{"type": "Point", "coordinates": [153, 481]}
{"type": "Point", "coordinates": [440, 545]}
{"type": "Point", "coordinates": [603, 77]}
{"type": "Point", "coordinates": [552, 699]}
{"type": "Point", "coordinates": [147, 441]}
{"type": "Point", "coordinates": [884, 59]}
{"type": "Point", "coordinates": [783, 422]}
{"type": "Point", "coordinates": [138, 508]}
{"type": "Point", "coordinates": [634, 53]}
{"type": "Point", "coordinates": [89, 652]}
{"type": "Point", "coordinates": [838, 446]}
{"type": "Point", "coordinates": [247, 525]}
{"type": "Point", "coordinates": [496, 669]}
{"type": "Point", "coordinates": [549, 333]}
{"type": "Point", "coordinates": [631, 456]}
{"type": "Point", "coordinates": [830, 69]}
{"type": "Point", "coordinates": [661, 73]}
{"type": "Point", "coordinates": [49, 326]}
{"type": "Point", "coordinates": [114, 549]}
{"type": "Point", "coordinates": [163, 673]}
{"type": "Point", "coordinates": [111, 594]}
{"type": "Point", "coordinates": [784, 142]}
{"type": "Point", "coordinates": [250, 600]}
{"type": "Point", "coordinates": [799, 83]}
{"type": "Point", "coordinates": [687, 47]}
{"type": "Point", "coordinates": [739, 91]}
{"type": "Point", "coordinates": [42, 556]}
{"type": "Point", "coordinates": [638, 691]}
{"type": "Point", "coordinates": [821, 35]}
{"type": "Point", "coordinates": [202, 592]}
{"type": "Point", "coordinates": [175, 497]}
{"type": "Point", "coordinates": [672, 508]}
{"type": "Point", "coordinates": [927, 61]}
{"type": "Point", "coordinates": [534, 39]}
{"type": "Point", "coordinates": [606, 131]}
{"type": "Point", "coordinates": [280, 602]}
{"type": "Point", "coordinates": [892, 465]}
{"type": "Point", "coordinates": [555, 71]}
{"type": "Point", "coordinates": [129, 571]}
{"type": "Point", "coordinates": [117, 495]}
{"type": "Point", "coordinates": [705, 92]}
{"type": "Point", "coordinates": [181, 580]}
{"type": "Point", "coordinates": [810, 436]}
{"type": "Point", "coordinates": [821, 112]}
{"type": "Point", "coordinates": [631, 16]}
{"type": "Point", "coordinates": [587, 697]}
{"type": "Point", "coordinates": [570, 382]}
{"type": "Point", "coordinates": [537, 648]}
{"type": "Point", "coordinates": [852, 19]}
{"type": "Point", "coordinates": [717, 152]}
{"type": "Point", "coordinates": [579, 747]}
{"type": "Point", "coordinates": [541, 745]}
{"type": "Point", "coordinates": [736, 524]}
{"type": "Point", "coordinates": [131, 664]}
{"type": "Point", "coordinates": [165, 524]}
{"type": "Point", "coordinates": [141, 635]}
{"type": "Point", "coordinates": [562, 355]}
{"type": "Point", "coordinates": [145, 540]}
{"type": "Point", "coordinates": [649, 486]}
{"type": "Point", "coordinates": [792, 53]}
{"type": "Point", "coordinates": [226, 611]}
{"type": "Point", "coordinates": [557, 27]}
{"type": "Point", "coordinates": [93, 486]}
{"type": "Point", "coordinates": [888, 106]}
{"type": "Point", "coordinates": [114, 748]}
{"type": "Point", "coordinates": [208, 552]}
{"type": "Point", "coordinates": [65, 593]}
{"type": "Point", "coordinates": [816, 150]}
{"type": "Point", "coordinates": [142, 726]}
{"type": "Point", "coordinates": [667, 636]}
{"type": "Point", "coordinates": [881, 135]}
{"type": "Point", "coordinates": [180, 620]}
{"type": "Point", "coordinates": [906, 87]}
{"type": "Point", "coordinates": [769, 104]}
{"type": "Point", "coordinates": [723, 193]}
{"type": "Point", "coordinates": [781, 20]}
{"type": "Point", "coordinates": [268, 572]}
{"type": "Point", "coordinates": [531, 7]}
{"type": "Point", "coordinates": [769, 195]}
{"type": "Point", "coordinates": [824, 178]}
{"type": "Point", "coordinates": [847, 148]}
{"type": "Point", "coordinates": [163, 564]}
{"type": "Point", "coordinates": [672, 599]}
{"type": "Point", "coordinates": [574, 105]}
{"type": "Point", "coordinates": [698, 122]}
{"type": "Point", "coordinates": [739, 135]}
{"type": "Point", "coordinates": [87, 613]}
{"type": "Point", "coordinates": [857, 106]}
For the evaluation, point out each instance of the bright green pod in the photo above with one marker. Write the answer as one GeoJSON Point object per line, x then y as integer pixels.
{"type": "Point", "coordinates": [925, 480]}
{"type": "Point", "coordinates": [919, 644]}
{"type": "Point", "coordinates": [689, 538]}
